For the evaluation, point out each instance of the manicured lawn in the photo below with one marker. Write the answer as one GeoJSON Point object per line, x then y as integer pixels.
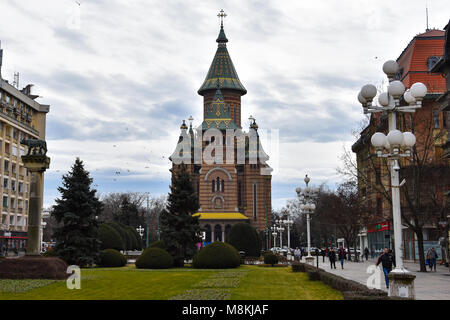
{"type": "Point", "coordinates": [245, 282]}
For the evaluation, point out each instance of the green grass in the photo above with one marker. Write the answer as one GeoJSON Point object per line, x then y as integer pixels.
{"type": "Point", "coordinates": [245, 282]}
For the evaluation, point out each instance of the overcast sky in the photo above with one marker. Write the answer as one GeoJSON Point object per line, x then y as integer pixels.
{"type": "Point", "coordinates": [120, 76]}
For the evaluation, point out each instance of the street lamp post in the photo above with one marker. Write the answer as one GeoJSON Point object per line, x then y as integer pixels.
{"type": "Point", "coordinates": [274, 234]}
{"type": "Point", "coordinates": [147, 214]}
{"type": "Point", "coordinates": [288, 223]}
{"type": "Point", "coordinates": [280, 229]}
{"type": "Point", "coordinates": [307, 198]}
{"type": "Point", "coordinates": [394, 146]}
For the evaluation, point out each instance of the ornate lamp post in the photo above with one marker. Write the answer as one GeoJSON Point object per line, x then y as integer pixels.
{"type": "Point", "coordinates": [274, 234]}
{"type": "Point", "coordinates": [280, 229]}
{"type": "Point", "coordinates": [140, 230]}
{"type": "Point", "coordinates": [394, 146]}
{"type": "Point", "coordinates": [307, 198]}
{"type": "Point", "coordinates": [288, 223]}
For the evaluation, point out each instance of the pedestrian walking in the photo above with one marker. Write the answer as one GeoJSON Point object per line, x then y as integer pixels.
{"type": "Point", "coordinates": [332, 258]}
{"type": "Point", "coordinates": [324, 253]}
{"type": "Point", "coordinates": [387, 260]}
{"type": "Point", "coordinates": [297, 254]}
{"type": "Point", "coordinates": [341, 256]}
{"type": "Point", "coordinates": [432, 256]}
{"type": "Point", "coordinates": [366, 253]}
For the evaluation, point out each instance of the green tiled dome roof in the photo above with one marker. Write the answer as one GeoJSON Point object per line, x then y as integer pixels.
{"type": "Point", "coordinates": [222, 69]}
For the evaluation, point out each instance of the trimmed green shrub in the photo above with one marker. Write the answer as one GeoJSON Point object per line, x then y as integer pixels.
{"type": "Point", "coordinates": [298, 267]}
{"type": "Point", "coordinates": [112, 258]}
{"type": "Point", "coordinates": [314, 275]}
{"type": "Point", "coordinates": [245, 238]}
{"type": "Point", "coordinates": [270, 258]}
{"type": "Point", "coordinates": [217, 255]}
{"type": "Point", "coordinates": [157, 244]}
{"type": "Point", "coordinates": [121, 230]}
{"type": "Point", "coordinates": [154, 258]}
{"type": "Point", "coordinates": [110, 238]}
{"type": "Point", "coordinates": [136, 238]}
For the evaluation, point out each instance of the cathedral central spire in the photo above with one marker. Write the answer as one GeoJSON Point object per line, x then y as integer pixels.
{"type": "Point", "coordinates": [222, 68]}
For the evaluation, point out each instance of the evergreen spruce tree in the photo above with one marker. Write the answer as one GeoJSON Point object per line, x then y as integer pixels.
{"type": "Point", "coordinates": [76, 238]}
{"type": "Point", "coordinates": [180, 231]}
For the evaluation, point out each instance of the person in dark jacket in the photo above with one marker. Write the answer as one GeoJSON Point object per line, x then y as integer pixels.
{"type": "Point", "coordinates": [366, 253]}
{"type": "Point", "coordinates": [342, 255]}
{"type": "Point", "coordinates": [387, 260]}
{"type": "Point", "coordinates": [332, 257]}
{"type": "Point", "coordinates": [324, 253]}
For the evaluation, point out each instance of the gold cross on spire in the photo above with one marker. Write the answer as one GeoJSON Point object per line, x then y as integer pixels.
{"type": "Point", "coordinates": [221, 15]}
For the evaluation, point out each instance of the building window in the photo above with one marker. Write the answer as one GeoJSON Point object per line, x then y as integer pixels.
{"type": "Point", "coordinates": [445, 118]}
{"type": "Point", "coordinates": [5, 183]}
{"type": "Point", "coordinates": [239, 194]}
{"type": "Point", "coordinates": [6, 167]}
{"type": "Point", "coordinates": [255, 202]}
{"type": "Point", "coordinates": [13, 185]}
{"type": "Point", "coordinates": [213, 184]}
{"type": "Point", "coordinates": [398, 75]}
{"type": "Point", "coordinates": [20, 187]}
{"type": "Point", "coordinates": [436, 118]}
{"type": "Point", "coordinates": [431, 62]}
{"type": "Point", "coordinates": [5, 202]}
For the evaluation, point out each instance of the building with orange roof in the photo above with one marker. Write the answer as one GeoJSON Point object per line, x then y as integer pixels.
{"type": "Point", "coordinates": [430, 126]}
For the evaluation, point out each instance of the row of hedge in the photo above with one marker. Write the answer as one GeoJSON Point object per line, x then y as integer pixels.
{"type": "Point", "coordinates": [351, 290]}
{"type": "Point", "coordinates": [117, 236]}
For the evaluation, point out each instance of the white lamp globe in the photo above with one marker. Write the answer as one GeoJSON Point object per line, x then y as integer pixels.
{"type": "Point", "coordinates": [361, 99]}
{"type": "Point", "coordinates": [387, 146]}
{"type": "Point", "coordinates": [298, 190]}
{"type": "Point", "coordinates": [312, 206]}
{"type": "Point", "coordinates": [307, 190]}
{"type": "Point", "coordinates": [383, 99]}
{"type": "Point", "coordinates": [378, 140]}
{"type": "Point", "coordinates": [418, 90]}
{"type": "Point", "coordinates": [408, 97]}
{"type": "Point", "coordinates": [395, 138]}
{"type": "Point", "coordinates": [306, 179]}
{"type": "Point", "coordinates": [390, 68]}
{"type": "Point", "coordinates": [303, 207]}
{"type": "Point", "coordinates": [409, 139]}
{"type": "Point", "coordinates": [368, 92]}
{"type": "Point", "coordinates": [396, 89]}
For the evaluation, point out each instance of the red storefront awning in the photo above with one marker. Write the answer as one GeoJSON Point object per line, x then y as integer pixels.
{"type": "Point", "coordinates": [5, 237]}
{"type": "Point", "coordinates": [382, 226]}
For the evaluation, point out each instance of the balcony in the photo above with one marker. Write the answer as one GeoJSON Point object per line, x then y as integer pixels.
{"type": "Point", "coordinates": [8, 115]}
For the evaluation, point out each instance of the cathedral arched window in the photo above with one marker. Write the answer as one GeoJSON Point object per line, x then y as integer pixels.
{"type": "Point", "coordinates": [213, 184]}
{"type": "Point", "coordinates": [223, 185]}
{"type": "Point", "coordinates": [218, 184]}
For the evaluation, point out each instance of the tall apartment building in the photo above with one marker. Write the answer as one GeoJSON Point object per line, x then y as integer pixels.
{"type": "Point", "coordinates": [21, 117]}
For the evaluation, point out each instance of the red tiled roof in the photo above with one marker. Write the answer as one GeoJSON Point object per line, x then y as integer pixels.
{"type": "Point", "coordinates": [414, 60]}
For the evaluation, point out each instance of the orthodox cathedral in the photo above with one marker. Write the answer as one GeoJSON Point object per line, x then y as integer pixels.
{"type": "Point", "coordinates": [234, 186]}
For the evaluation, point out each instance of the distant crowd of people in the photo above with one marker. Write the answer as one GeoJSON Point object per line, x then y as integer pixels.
{"type": "Point", "coordinates": [386, 259]}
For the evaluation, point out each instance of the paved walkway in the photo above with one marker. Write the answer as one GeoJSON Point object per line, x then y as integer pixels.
{"type": "Point", "coordinates": [429, 285]}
